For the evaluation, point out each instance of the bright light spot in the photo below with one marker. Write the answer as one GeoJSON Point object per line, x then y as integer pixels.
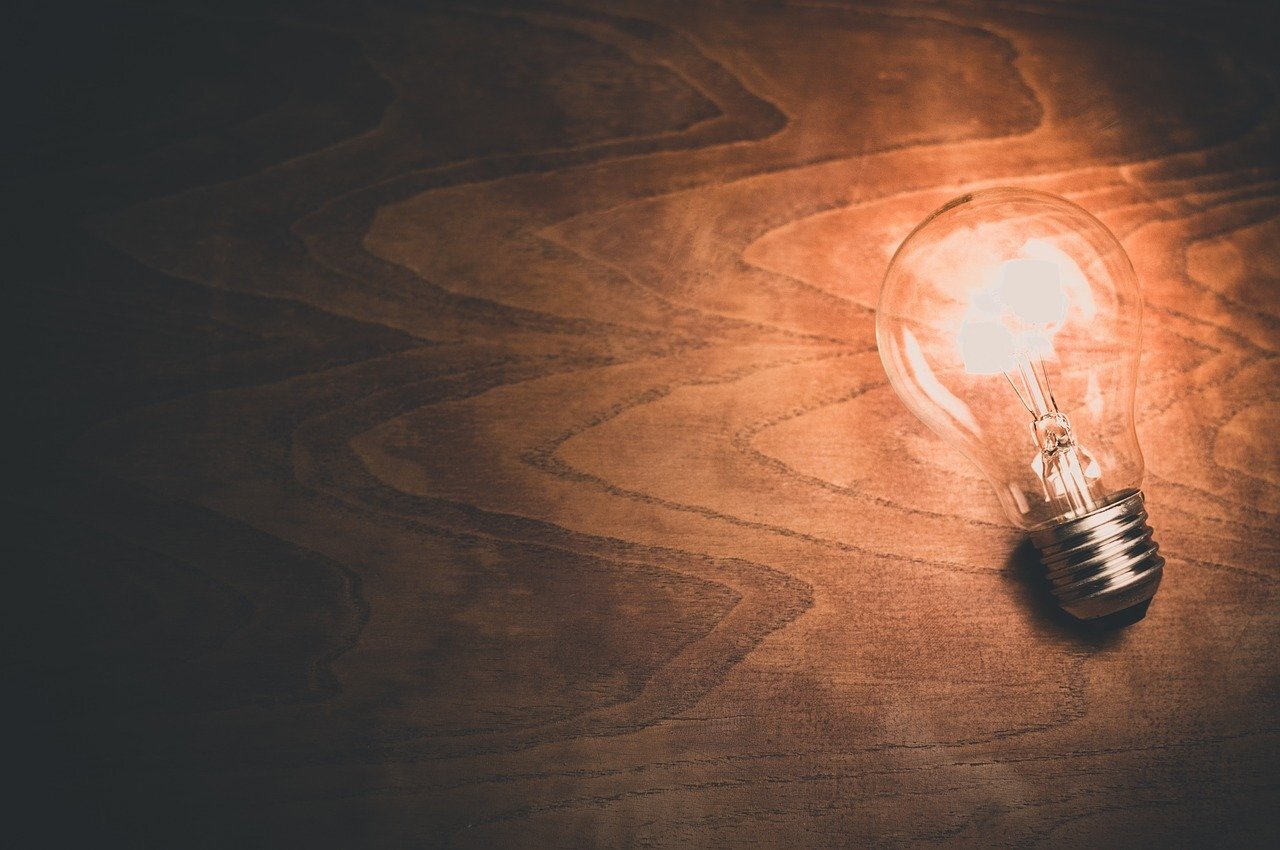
{"type": "Point", "coordinates": [1037, 343]}
{"type": "Point", "coordinates": [1093, 397]}
{"type": "Point", "coordinates": [1072, 279]}
{"type": "Point", "coordinates": [1019, 499]}
{"type": "Point", "coordinates": [987, 347]}
{"type": "Point", "coordinates": [1032, 290]}
{"type": "Point", "coordinates": [1025, 301]}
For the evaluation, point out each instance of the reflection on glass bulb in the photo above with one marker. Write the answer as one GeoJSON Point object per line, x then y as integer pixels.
{"type": "Point", "coordinates": [1009, 322]}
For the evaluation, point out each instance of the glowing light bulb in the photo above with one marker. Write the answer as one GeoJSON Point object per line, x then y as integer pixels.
{"type": "Point", "coordinates": [1009, 322]}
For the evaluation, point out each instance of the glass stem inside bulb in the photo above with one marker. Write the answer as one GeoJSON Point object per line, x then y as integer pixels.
{"type": "Point", "coordinates": [1062, 464]}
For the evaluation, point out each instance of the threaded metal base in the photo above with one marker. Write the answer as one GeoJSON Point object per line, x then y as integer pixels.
{"type": "Point", "coordinates": [1104, 562]}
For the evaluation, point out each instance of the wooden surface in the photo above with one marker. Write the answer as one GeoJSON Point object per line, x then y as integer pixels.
{"type": "Point", "coordinates": [461, 425]}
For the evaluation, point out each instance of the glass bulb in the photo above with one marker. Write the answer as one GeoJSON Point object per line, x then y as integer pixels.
{"type": "Point", "coordinates": [1009, 322]}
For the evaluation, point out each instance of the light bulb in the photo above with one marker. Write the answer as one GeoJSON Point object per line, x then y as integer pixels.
{"type": "Point", "coordinates": [1009, 322]}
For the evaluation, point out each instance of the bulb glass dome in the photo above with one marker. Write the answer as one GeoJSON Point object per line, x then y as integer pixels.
{"type": "Point", "coordinates": [1010, 321]}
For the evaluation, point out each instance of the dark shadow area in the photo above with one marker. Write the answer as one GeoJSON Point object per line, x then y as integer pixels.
{"type": "Point", "coordinates": [1029, 583]}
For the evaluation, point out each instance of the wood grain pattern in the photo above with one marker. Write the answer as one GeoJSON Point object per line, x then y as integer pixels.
{"type": "Point", "coordinates": [461, 425]}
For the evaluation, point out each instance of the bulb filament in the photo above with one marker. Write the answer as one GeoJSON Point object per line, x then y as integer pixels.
{"type": "Point", "coordinates": [1009, 328]}
{"type": "Point", "coordinates": [1069, 474]}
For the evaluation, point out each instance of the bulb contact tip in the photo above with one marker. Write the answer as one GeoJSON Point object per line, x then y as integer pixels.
{"type": "Point", "coordinates": [1103, 563]}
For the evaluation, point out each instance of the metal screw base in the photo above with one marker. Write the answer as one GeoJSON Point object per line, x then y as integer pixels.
{"type": "Point", "coordinates": [1104, 562]}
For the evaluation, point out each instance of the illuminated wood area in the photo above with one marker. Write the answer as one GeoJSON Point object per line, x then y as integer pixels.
{"type": "Point", "coordinates": [461, 425]}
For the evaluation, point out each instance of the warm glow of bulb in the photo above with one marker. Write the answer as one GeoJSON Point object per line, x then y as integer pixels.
{"type": "Point", "coordinates": [1032, 290]}
{"type": "Point", "coordinates": [1009, 321]}
{"type": "Point", "coordinates": [1026, 301]}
